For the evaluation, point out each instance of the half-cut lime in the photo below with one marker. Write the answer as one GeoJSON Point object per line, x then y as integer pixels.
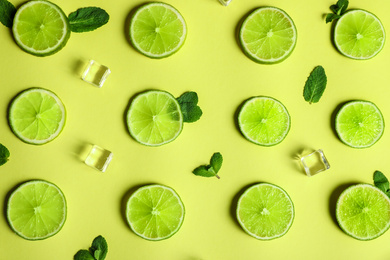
{"type": "Point", "coordinates": [154, 118]}
{"type": "Point", "coordinates": [264, 121]}
{"type": "Point", "coordinates": [268, 35]}
{"type": "Point", "coordinates": [36, 210]}
{"type": "Point", "coordinates": [40, 28]}
{"type": "Point", "coordinates": [265, 211]}
{"type": "Point", "coordinates": [157, 30]}
{"type": "Point", "coordinates": [359, 34]}
{"type": "Point", "coordinates": [359, 124]}
{"type": "Point", "coordinates": [37, 116]}
{"type": "Point", "coordinates": [155, 212]}
{"type": "Point", "coordinates": [363, 212]}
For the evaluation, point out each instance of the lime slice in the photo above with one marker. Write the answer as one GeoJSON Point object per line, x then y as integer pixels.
{"type": "Point", "coordinates": [157, 30]}
{"type": "Point", "coordinates": [359, 124]}
{"type": "Point", "coordinates": [264, 121]}
{"type": "Point", "coordinates": [40, 28]}
{"type": "Point", "coordinates": [37, 116]}
{"type": "Point", "coordinates": [363, 211]}
{"type": "Point", "coordinates": [265, 211]}
{"type": "Point", "coordinates": [155, 212]}
{"type": "Point", "coordinates": [359, 34]}
{"type": "Point", "coordinates": [36, 210]}
{"type": "Point", "coordinates": [154, 118]}
{"type": "Point", "coordinates": [268, 35]}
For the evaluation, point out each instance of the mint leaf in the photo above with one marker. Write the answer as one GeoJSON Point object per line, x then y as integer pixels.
{"type": "Point", "coordinates": [315, 85]}
{"type": "Point", "coordinates": [87, 19]}
{"type": "Point", "coordinates": [381, 182]}
{"type": "Point", "coordinates": [7, 13]}
{"type": "Point", "coordinates": [83, 255]}
{"type": "Point", "coordinates": [338, 10]}
{"type": "Point", "coordinates": [216, 162]}
{"type": "Point", "coordinates": [203, 171]}
{"type": "Point", "coordinates": [188, 104]}
{"type": "Point", "coordinates": [99, 248]}
{"type": "Point", "coordinates": [4, 154]}
{"type": "Point", "coordinates": [331, 17]}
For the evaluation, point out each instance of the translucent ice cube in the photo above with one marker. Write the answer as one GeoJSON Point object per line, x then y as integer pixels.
{"type": "Point", "coordinates": [98, 158]}
{"type": "Point", "coordinates": [95, 73]}
{"type": "Point", "coordinates": [225, 2]}
{"type": "Point", "coordinates": [315, 162]}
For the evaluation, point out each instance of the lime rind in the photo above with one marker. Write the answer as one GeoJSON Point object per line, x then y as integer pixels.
{"type": "Point", "coordinates": [342, 50]}
{"type": "Point", "coordinates": [150, 54]}
{"type": "Point", "coordinates": [10, 209]}
{"type": "Point", "coordinates": [146, 203]}
{"type": "Point", "coordinates": [261, 201]}
{"type": "Point", "coordinates": [13, 107]}
{"type": "Point", "coordinates": [133, 107]}
{"type": "Point", "coordinates": [250, 53]}
{"type": "Point", "coordinates": [48, 51]}
{"type": "Point", "coordinates": [374, 138]}
{"type": "Point", "coordinates": [283, 112]}
{"type": "Point", "coordinates": [342, 218]}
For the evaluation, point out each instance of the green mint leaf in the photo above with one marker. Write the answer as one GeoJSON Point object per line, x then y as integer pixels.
{"type": "Point", "coordinates": [315, 85]}
{"type": "Point", "coordinates": [381, 182]}
{"type": "Point", "coordinates": [216, 161]}
{"type": "Point", "coordinates": [189, 107]}
{"type": "Point", "coordinates": [342, 6]}
{"type": "Point", "coordinates": [7, 13]}
{"type": "Point", "coordinates": [83, 255]}
{"type": "Point", "coordinates": [331, 17]}
{"type": "Point", "coordinates": [203, 171]}
{"type": "Point", "coordinates": [87, 19]}
{"type": "Point", "coordinates": [99, 248]}
{"type": "Point", "coordinates": [4, 154]}
{"type": "Point", "coordinates": [338, 9]}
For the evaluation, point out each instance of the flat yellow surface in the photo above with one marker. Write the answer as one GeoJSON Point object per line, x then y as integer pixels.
{"type": "Point", "coordinates": [212, 64]}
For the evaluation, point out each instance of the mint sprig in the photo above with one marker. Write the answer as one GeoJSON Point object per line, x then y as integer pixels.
{"type": "Point", "coordinates": [97, 251]}
{"type": "Point", "coordinates": [87, 19]}
{"type": "Point", "coordinates": [7, 13]}
{"type": "Point", "coordinates": [338, 10]}
{"type": "Point", "coordinates": [212, 169]}
{"type": "Point", "coordinates": [381, 182]}
{"type": "Point", "coordinates": [4, 154]}
{"type": "Point", "coordinates": [315, 85]}
{"type": "Point", "coordinates": [189, 107]}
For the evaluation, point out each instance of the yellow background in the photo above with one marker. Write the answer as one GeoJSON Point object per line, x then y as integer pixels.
{"type": "Point", "coordinates": [212, 64]}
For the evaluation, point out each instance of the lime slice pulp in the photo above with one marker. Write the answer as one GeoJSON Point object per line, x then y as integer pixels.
{"type": "Point", "coordinates": [154, 118]}
{"type": "Point", "coordinates": [359, 124]}
{"type": "Point", "coordinates": [363, 211]}
{"type": "Point", "coordinates": [264, 121]}
{"type": "Point", "coordinates": [37, 116]}
{"type": "Point", "coordinates": [155, 212]}
{"type": "Point", "coordinates": [265, 211]}
{"type": "Point", "coordinates": [36, 210]}
{"type": "Point", "coordinates": [157, 30]}
{"type": "Point", "coordinates": [359, 34]}
{"type": "Point", "coordinates": [40, 28]}
{"type": "Point", "coordinates": [268, 35]}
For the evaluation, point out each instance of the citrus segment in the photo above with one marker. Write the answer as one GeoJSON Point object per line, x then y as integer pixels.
{"type": "Point", "coordinates": [359, 34]}
{"type": "Point", "coordinates": [36, 210]}
{"type": "Point", "coordinates": [363, 212]}
{"type": "Point", "coordinates": [40, 28]}
{"type": "Point", "coordinates": [155, 212]}
{"type": "Point", "coordinates": [157, 30]}
{"type": "Point", "coordinates": [265, 211]}
{"type": "Point", "coordinates": [268, 35]}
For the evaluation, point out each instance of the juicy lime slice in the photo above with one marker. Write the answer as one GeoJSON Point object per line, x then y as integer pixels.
{"type": "Point", "coordinates": [157, 30]}
{"type": "Point", "coordinates": [268, 35]}
{"type": "Point", "coordinates": [40, 28]}
{"type": "Point", "coordinates": [37, 116]}
{"type": "Point", "coordinates": [359, 124]}
{"type": "Point", "coordinates": [36, 210]}
{"type": "Point", "coordinates": [265, 211]}
{"type": "Point", "coordinates": [359, 34]}
{"type": "Point", "coordinates": [264, 121]}
{"type": "Point", "coordinates": [363, 211]}
{"type": "Point", "coordinates": [155, 212]}
{"type": "Point", "coordinates": [154, 118]}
